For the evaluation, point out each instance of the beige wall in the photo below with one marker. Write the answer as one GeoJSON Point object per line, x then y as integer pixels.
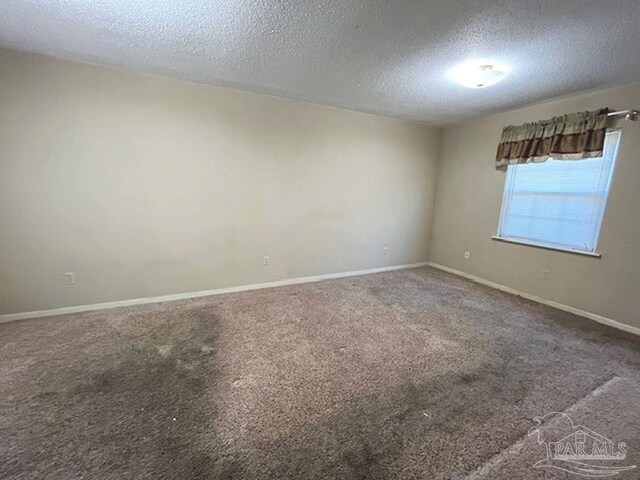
{"type": "Point", "coordinates": [468, 200]}
{"type": "Point", "coordinates": [145, 186]}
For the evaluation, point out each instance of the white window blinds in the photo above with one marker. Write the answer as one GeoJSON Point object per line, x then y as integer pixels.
{"type": "Point", "coordinates": [558, 203]}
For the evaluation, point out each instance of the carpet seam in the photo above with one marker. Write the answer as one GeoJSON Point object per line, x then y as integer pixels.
{"type": "Point", "coordinates": [495, 460]}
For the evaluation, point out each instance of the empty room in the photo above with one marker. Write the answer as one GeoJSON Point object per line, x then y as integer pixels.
{"type": "Point", "coordinates": [330, 239]}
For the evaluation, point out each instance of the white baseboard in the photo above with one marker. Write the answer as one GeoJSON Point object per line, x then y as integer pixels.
{"type": "Point", "coordinates": [9, 317]}
{"type": "Point", "coordinates": [591, 316]}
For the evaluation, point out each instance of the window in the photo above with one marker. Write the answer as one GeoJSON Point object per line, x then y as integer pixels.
{"type": "Point", "coordinates": [559, 203]}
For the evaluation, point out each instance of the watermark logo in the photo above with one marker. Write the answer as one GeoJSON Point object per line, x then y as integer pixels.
{"type": "Point", "coordinates": [578, 449]}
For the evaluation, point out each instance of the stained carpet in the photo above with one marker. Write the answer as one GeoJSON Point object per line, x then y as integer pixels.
{"type": "Point", "coordinates": [414, 374]}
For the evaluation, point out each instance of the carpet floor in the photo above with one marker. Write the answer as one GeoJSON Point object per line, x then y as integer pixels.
{"type": "Point", "coordinates": [414, 374]}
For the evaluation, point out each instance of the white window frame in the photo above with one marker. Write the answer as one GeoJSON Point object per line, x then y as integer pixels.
{"type": "Point", "coordinates": [551, 246]}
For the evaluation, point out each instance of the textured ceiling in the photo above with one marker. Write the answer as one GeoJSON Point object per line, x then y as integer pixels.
{"type": "Point", "coordinates": [390, 57]}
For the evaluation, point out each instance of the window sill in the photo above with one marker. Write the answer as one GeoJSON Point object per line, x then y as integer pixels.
{"type": "Point", "coordinates": [546, 247]}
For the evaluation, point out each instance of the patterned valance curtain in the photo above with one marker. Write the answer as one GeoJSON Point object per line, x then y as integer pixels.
{"type": "Point", "coordinates": [568, 137]}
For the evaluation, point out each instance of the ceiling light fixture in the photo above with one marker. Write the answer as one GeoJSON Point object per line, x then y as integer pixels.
{"type": "Point", "coordinates": [478, 75]}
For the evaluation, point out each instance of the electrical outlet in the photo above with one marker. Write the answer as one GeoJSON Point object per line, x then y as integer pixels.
{"type": "Point", "coordinates": [546, 274]}
{"type": "Point", "coordinates": [265, 261]}
{"type": "Point", "coordinates": [467, 255]}
{"type": "Point", "coordinates": [385, 250]}
{"type": "Point", "coordinates": [69, 278]}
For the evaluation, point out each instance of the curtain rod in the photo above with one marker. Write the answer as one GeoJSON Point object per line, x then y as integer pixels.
{"type": "Point", "coordinates": [628, 114]}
